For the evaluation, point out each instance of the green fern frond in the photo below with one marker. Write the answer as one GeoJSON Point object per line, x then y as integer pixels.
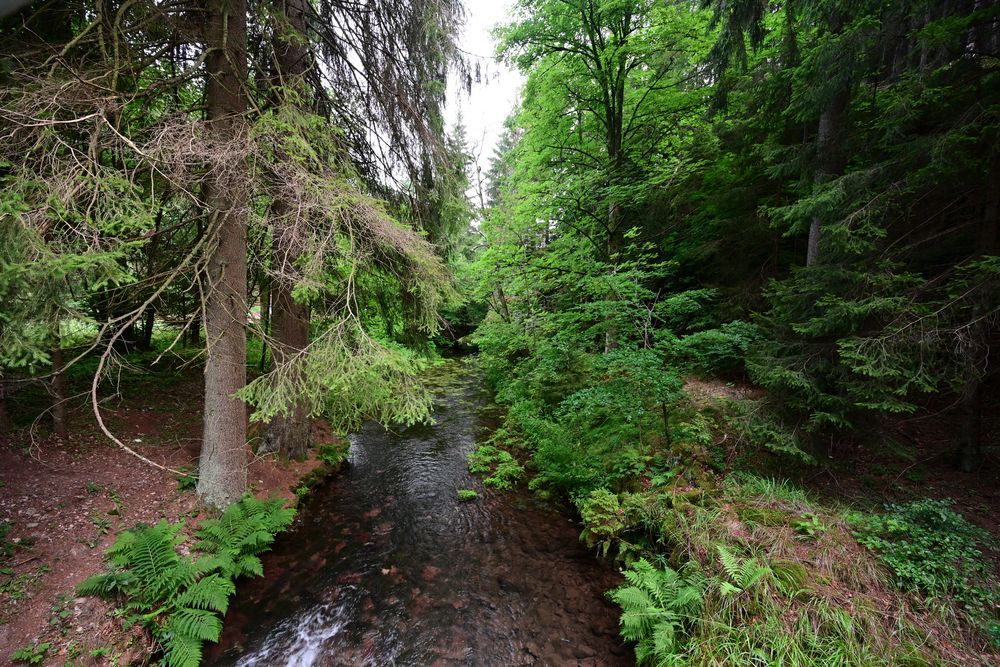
{"type": "Point", "coordinates": [99, 585]}
{"type": "Point", "coordinates": [181, 651]}
{"type": "Point", "coordinates": [636, 624]}
{"type": "Point", "coordinates": [664, 637]}
{"type": "Point", "coordinates": [688, 600]}
{"type": "Point", "coordinates": [632, 597]}
{"type": "Point", "coordinates": [728, 590]}
{"type": "Point", "coordinates": [250, 566]}
{"type": "Point", "coordinates": [751, 572]}
{"type": "Point", "coordinates": [211, 593]}
{"type": "Point", "coordinates": [730, 564]}
{"type": "Point", "coordinates": [645, 652]}
{"type": "Point", "coordinates": [197, 623]}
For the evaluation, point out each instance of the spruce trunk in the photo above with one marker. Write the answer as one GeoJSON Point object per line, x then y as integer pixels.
{"type": "Point", "coordinates": [5, 424]}
{"type": "Point", "coordinates": [978, 358]}
{"type": "Point", "coordinates": [59, 393]}
{"type": "Point", "coordinates": [222, 475]}
{"type": "Point", "coordinates": [830, 157]}
{"type": "Point", "coordinates": [288, 433]}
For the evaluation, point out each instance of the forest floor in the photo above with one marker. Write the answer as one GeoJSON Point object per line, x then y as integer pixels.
{"type": "Point", "coordinates": [63, 501]}
{"type": "Point", "coordinates": [902, 459]}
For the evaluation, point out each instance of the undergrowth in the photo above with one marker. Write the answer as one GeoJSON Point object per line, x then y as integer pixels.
{"type": "Point", "coordinates": [769, 593]}
{"type": "Point", "coordinates": [725, 567]}
{"type": "Point", "coordinates": [500, 467]}
{"type": "Point", "coordinates": [181, 598]}
{"type": "Point", "coordinates": [933, 551]}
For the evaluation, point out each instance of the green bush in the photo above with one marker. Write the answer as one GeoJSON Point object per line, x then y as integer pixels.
{"type": "Point", "coordinates": [333, 454]}
{"type": "Point", "coordinates": [603, 519]}
{"type": "Point", "coordinates": [715, 351]}
{"type": "Point", "coordinates": [933, 550]}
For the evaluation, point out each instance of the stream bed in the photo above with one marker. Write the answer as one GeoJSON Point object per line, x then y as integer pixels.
{"type": "Point", "coordinates": [388, 567]}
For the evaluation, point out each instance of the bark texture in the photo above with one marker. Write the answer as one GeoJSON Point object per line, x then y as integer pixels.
{"type": "Point", "coordinates": [59, 392]}
{"type": "Point", "coordinates": [288, 433]}
{"type": "Point", "coordinates": [831, 161]}
{"type": "Point", "coordinates": [222, 475]}
{"type": "Point", "coordinates": [829, 152]}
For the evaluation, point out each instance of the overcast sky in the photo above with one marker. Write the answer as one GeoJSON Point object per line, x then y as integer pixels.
{"type": "Point", "coordinates": [484, 111]}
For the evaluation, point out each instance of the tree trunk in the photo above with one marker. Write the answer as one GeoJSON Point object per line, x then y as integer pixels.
{"type": "Point", "coordinates": [614, 252]}
{"type": "Point", "coordinates": [978, 357]}
{"type": "Point", "coordinates": [149, 318]}
{"type": "Point", "coordinates": [222, 474]}
{"type": "Point", "coordinates": [501, 299]}
{"type": "Point", "coordinates": [5, 424]}
{"type": "Point", "coordinates": [829, 155]}
{"type": "Point", "coordinates": [829, 136]}
{"type": "Point", "coordinates": [288, 433]}
{"type": "Point", "coordinates": [194, 332]}
{"type": "Point", "coordinates": [413, 336]}
{"type": "Point", "coordinates": [59, 393]}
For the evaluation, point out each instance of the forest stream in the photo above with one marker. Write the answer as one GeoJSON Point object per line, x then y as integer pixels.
{"type": "Point", "coordinates": [389, 567]}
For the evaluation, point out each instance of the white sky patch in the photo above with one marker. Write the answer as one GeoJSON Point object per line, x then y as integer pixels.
{"type": "Point", "coordinates": [484, 111]}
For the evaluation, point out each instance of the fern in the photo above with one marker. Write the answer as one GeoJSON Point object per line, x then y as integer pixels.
{"type": "Point", "coordinates": [181, 599]}
{"type": "Point", "coordinates": [244, 531]}
{"type": "Point", "coordinates": [195, 623]}
{"type": "Point", "coordinates": [657, 606]}
{"type": "Point", "coordinates": [210, 594]}
{"type": "Point", "coordinates": [182, 650]}
{"type": "Point", "coordinates": [742, 575]}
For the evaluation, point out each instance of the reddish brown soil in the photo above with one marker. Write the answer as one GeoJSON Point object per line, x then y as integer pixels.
{"type": "Point", "coordinates": [68, 499]}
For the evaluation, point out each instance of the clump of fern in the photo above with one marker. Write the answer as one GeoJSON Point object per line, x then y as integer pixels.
{"type": "Point", "coordinates": [243, 532]}
{"type": "Point", "coordinates": [504, 470]}
{"type": "Point", "coordinates": [657, 607]}
{"type": "Point", "coordinates": [764, 595]}
{"type": "Point", "coordinates": [181, 599]}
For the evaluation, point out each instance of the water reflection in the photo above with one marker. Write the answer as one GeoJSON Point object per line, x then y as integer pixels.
{"type": "Point", "coordinates": [390, 568]}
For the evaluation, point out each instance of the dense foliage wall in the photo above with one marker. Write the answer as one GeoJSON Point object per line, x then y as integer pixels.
{"type": "Point", "coordinates": [265, 170]}
{"type": "Point", "coordinates": [805, 190]}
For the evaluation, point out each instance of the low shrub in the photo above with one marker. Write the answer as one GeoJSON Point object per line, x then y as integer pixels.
{"type": "Point", "coordinates": [179, 598]}
{"type": "Point", "coordinates": [932, 550]}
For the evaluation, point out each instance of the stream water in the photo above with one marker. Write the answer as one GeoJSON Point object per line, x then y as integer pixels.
{"type": "Point", "coordinates": [388, 567]}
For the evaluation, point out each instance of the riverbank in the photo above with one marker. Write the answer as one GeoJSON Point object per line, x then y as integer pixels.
{"type": "Point", "coordinates": [736, 547]}
{"type": "Point", "coordinates": [389, 565]}
{"type": "Point", "coordinates": [64, 501]}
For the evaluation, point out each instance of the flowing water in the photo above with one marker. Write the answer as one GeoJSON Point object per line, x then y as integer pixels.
{"type": "Point", "coordinates": [388, 567]}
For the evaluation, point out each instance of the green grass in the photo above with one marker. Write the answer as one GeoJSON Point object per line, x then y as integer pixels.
{"type": "Point", "coordinates": [770, 592]}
